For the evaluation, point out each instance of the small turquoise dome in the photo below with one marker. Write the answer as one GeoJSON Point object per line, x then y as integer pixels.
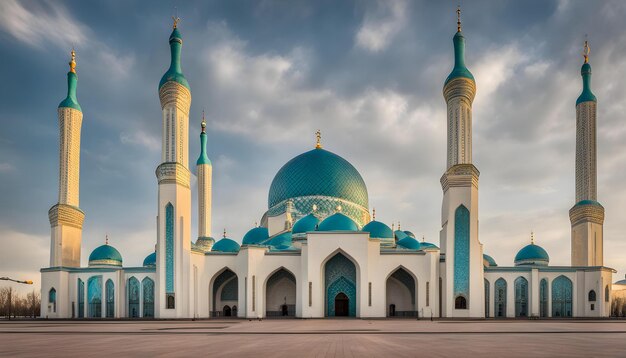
{"type": "Point", "coordinates": [318, 173]}
{"type": "Point", "coordinates": [105, 255]}
{"type": "Point", "coordinates": [226, 245]}
{"type": "Point", "coordinates": [459, 70]}
{"type": "Point", "coordinates": [281, 240]}
{"type": "Point", "coordinates": [490, 262]}
{"type": "Point", "coordinates": [306, 224]}
{"type": "Point", "coordinates": [399, 234]}
{"type": "Point", "coordinates": [408, 233]}
{"type": "Point", "coordinates": [175, 72]}
{"type": "Point", "coordinates": [589, 202]}
{"type": "Point", "coordinates": [409, 243]}
{"type": "Point", "coordinates": [338, 222]}
{"type": "Point", "coordinates": [255, 236]}
{"type": "Point", "coordinates": [428, 245]}
{"type": "Point", "coordinates": [532, 255]}
{"type": "Point", "coordinates": [378, 230]}
{"type": "Point", "coordinates": [150, 260]}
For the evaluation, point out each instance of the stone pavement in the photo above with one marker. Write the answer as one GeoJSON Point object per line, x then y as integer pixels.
{"type": "Point", "coordinates": [314, 338]}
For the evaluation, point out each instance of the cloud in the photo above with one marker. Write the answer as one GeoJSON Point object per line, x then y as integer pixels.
{"type": "Point", "coordinates": [6, 167]}
{"type": "Point", "coordinates": [40, 24]}
{"type": "Point", "coordinates": [141, 138]}
{"type": "Point", "coordinates": [381, 24]}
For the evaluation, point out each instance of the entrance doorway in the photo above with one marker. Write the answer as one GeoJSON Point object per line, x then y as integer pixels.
{"type": "Point", "coordinates": [342, 305]}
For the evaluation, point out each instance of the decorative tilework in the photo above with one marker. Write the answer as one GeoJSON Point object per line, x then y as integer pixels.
{"type": "Point", "coordinates": [500, 298]}
{"type": "Point", "coordinates": [340, 277]}
{"type": "Point", "coordinates": [461, 252]}
{"type": "Point", "coordinates": [110, 299]}
{"type": "Point", "coordinates": [94, 296]}
{"type": "Point", "coordinates": [133, 297]}
{"type": "Point", "coordinates": [543, 298]}
{"type": "Point", "coordinates": [521, 297]}
{"type": "Point", "coordinates": [148, 297]}
{"type": "Point", "coordinates": [229, 292]}
{"type": "Point", "coordinates": [169, 248]}
{"type": "Point", "coordinates": [562, 297]}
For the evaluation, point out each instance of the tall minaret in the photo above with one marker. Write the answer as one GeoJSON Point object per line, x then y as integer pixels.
{"type": "Point", "coordinates": [205, 172]}
{"type": "Point", "coordinates": [174, 298]}
{"type": "Point", "coordinates": [66, 218]}
{"type": "Point", "coordinates": [587, 215]}
{"type": "Point", "coordinates": [463, 291]}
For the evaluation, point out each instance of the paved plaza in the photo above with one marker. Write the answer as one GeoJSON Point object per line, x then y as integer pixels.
{"type": "Point", "coordinates": [313, 338]}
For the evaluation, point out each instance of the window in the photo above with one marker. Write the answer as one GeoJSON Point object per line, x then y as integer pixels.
{"type": "Point", "coordinates": [592, 296]}
{"type": "Point", "coordinates": [606, 294]}
{"type": "Point", "coordinates": [521, 297]}
{"type": "Point", "coordinates": [500, 298]}
{"type": "Point", "coordinates": [543, 298]}
{"type": "Point", "coordinates": [133, 297]}
{"type": "Point", "coordinates": [427, 294]}
{"type": "Point", "coordinates": [110, 299]}
{"type": "Point", "coordinates": [52, 299]}
{"type": "Point", "coordinates": [486, 298]}
{"type": "Point", "coordinates": [148, 297]}
{"type": "Point", "coordinates": [460, 303]}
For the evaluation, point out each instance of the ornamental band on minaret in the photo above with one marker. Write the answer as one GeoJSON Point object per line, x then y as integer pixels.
{"type": "Point", "coordinates": [66, 219]}
{"type": "Point", "coordinates": [587, 215]}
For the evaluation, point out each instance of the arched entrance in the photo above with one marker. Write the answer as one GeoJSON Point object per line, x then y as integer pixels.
{"type": "Point", "coordinates": [340, 278]}
{"type": "Point", "coordinates": [562, 297]}
{"type": "Point", "coordinates": [280, 294]}
{"type": "Point", "coordinates": [400, 294]}
{"type": "Point", "coordinates": [224, 294]}
{"type": "Point", "coordinates": [342, 305]}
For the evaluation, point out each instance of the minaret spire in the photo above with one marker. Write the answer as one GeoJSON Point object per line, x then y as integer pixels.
{"type": "Point", "coordinates": [458, 18]}
{"type": "Point", "coordinates": [318, 136]}
{"type": "Point", "coordinates": [205, 173]}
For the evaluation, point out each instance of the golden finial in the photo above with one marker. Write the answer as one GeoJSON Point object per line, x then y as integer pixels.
{"type": "Point", "coordinates": [224, 235]}
{"type": "Point", "coordinates": [458, 18]}
{"type": "Point", "coordinates": [176, 20]}
{"type": "Point", "coordinates": [399, 225]}
{"type": "Point", "coordinates": [106, 239]}
{"type": "Point", "coordinates": [532, 238]}
{"type": "Point", "coordinates": [203, 123]}
{"type": "Point", "coordinates": [73, 62]}
{"type": "Point", "coordinates": [586, 51]}
{"type": "Point", "coordinates": [256, 224]}
{"type": "Point", "coordinates": [423, 238]}
{"type": "Point", "coordinates": [318, 135]}
{"type": "Point", "coordinates": [374, 214]}
{"type": "Point", "coordinates": [393, 226]}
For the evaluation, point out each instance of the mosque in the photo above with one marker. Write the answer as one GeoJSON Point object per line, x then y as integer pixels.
{"type": "Point", "coordinates": [318, 252]}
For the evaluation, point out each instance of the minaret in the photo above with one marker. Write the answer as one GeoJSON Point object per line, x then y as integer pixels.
{"type": "Point", "coordinates": [587, 215]}
{"type": "Point", "coordinates": [205, 173]}
{"type": "Point", "coordinates": [66, 218]}
{"type": "Point", "coordinates": [174, 211]}
{"type": "Point", "coordinates": [462, 279]}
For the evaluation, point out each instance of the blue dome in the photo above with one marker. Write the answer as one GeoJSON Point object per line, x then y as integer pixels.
{"type": "Point", "coordinates": [255, 236]}
{"type": "Point", "coordinates": [318, 173]}
{"type": "Point", "coordinates": [174, 72]}
{"type": "Point", "coordinates": [378, 230]}
{"type": "Point", "coordinates": [428, 245]}
{"type": "Point", "coordinates": [281, 241]}
{"type": "Point", "coordinates": [532, 255]}
{"type": "Point", "coordinates": [409, 243]}
{"type": "Point", "coordinates": [408, 233]}
{"type": "Point", "coordinates": [105, 255]}
{"type": "Point", "coordinates": [226, 245]}
{"type": "Point", "coordinates": [399, 234]}
{"type": "Point", "coordinates": [150, 260]}
{"type": "Point", "coordinates": [490, 261]}
{"type": "Point", "coordinates": [338, 222]}
{"type": "Point", "coordinates": [306, 224]}
{"type": "Point", "coordinates": [459, 70]}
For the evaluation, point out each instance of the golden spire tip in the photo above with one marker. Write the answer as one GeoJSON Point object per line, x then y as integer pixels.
{"type": "Point", "coordinates": [586, 51]}
{"type": "Point", "coordinates": [176, 20]}
{"type": "Point", "coordinates": [73, 61]}
{"type": "Point", "coordinates": [318, 135]}
{"type": "Point", "coordinates": [458, 18]}
{"type": "Point", "coordinates": [374, 214]}
{"type": "Point", "coordinates": [203, 123]}
{"type": "Point", "coordinates": [532, 238]}
{"type": "Point", "coordinates": [224, 235]}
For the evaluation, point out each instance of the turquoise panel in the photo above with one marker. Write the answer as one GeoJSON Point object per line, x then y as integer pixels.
{"type": "Point", "coordinates": [562, 297]}
{"type": "Point", "coordinates": [500, 298]}
{"type": "Point", "coordinates": [147, 286]}
{"type": "Point", "coordinates": [81, 298]}
{"type": "Point", "coordinates": [94, 296]}
{"type": "Point", "coordinates": [110, 299]}
{"type": "Point", "coordinates": [340, 277]}
{"type": "Point", "coordinates": [461, 252]}
{"type": "Point", "coordinates": [521, 297]}
{"type": "Point", "coordinates": [543, 298]}
{"type": "Point", "coordinates": [230, 291]}
{"type": "Point", "coordinates": [133, 297]}
{"type": "Point", "coordinates": [169, 248]}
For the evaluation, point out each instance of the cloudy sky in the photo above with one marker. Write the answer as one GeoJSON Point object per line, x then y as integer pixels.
{"type": "Point", "coordinates": [369, 74]}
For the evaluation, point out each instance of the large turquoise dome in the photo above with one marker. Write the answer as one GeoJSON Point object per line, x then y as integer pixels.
{"type": "Point", "coordinates": [320, 179]}
{"type": "Point", "coordinates": [105, 255]}
{"type": "Point", "coordinates": [532, 255]}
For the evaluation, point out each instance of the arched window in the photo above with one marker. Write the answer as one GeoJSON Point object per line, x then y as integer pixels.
{"type": "Point", "coordinates": [110, 299]}
{"type": "Point", "coordinates": [486, 298]}
{"type": "Point", "coordinates": [94, 296]}
{"type": "Point", "coordinates": [133, 297]}
{"type": "Point", "coordinates": [461, 253]}
{"type": "Point", "coordinates": [81, 298]}
{"type": "Point", "coordinates": [500, 298]}
{"type": "Point", "coordinates": [52, 299]}
{"type": "Point", "coordinates": [147, 286]}
{"type": "Point", "coordinates": [543, 298]}
{"type": "Point", "coordinates": [592, 296]}
{"type": "Point", "coordinates": [606, 294]}
{"type": "Point", "coordinates": [521, 297]}
{"type": "Point", "coordinates": [562, 297]}
{"type": "Point", "coordinates": [460, 303]}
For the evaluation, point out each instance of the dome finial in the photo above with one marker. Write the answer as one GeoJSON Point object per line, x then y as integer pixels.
{"type": "Point", "coordinates": [423, 238]}
{"type": "Point", "coordinates": [532, 238]}
{"type": "Point", "coordinates": [175, 18]}
{"type": "Point", "coordinates": [586, 51]}
{"type": "Point", "coordinates": [73, 61]}
{"type": "Point", "coordinates": [224, 234]}
{"type": "Point", "coordinates": [318, 135]}
{"type": "Point", "coordinates": [458, 18]}
{"type": "Point", "coordinates": [374, 214]}
{"type": "Point", "coordinates": [203, 123]}
{"type": "Point", "coordinates": [106, 239]}
{"type": "Point", "coordinates": [399, 225]}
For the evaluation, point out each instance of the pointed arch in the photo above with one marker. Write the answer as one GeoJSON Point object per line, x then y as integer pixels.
{"type": "Point", "coordinates": [280, 293]}
{"type": "Point", "coordinates": [110, 299]}
{"type": "Point", "coordinates": [52, 299]}
{"type": "Point", "coordinates": [562, 297]}
{"type": "Point", "coordinates": [341, 274]}
{"type": "Point", "coordinates": [169, 256]}
{"type": "Point", "coordinates": [223, 290]}
{"type": "Point", "coordinates": [401, 292]}
{"type": "Point", "coordinates": [461, 256]}
{"type": "Point", "coordinates": [500, 298]}
{"type": "Point", "coordinates": [147, 289]}
{"type": "Point", "coordinates": [521, 297]}
{"type": "Point", "coordinates": [94, 296]}
{"type": "Point", "coordinates": [133, 297]}
{"type": "Point", "coordinates": [543, 298]}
